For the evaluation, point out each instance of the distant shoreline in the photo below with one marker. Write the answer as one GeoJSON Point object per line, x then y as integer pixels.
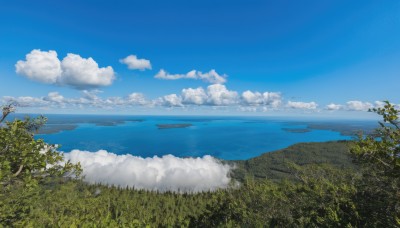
{"type": "Point", "coordinates": [168, 126]}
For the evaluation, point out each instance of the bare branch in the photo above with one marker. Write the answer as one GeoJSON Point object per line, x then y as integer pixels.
{"type": "Point", "coordinates": [19, 171]}
{"type": "Point", "coordinates": [7, 109]}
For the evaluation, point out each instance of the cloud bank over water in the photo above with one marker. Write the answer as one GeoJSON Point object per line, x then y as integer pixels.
{"type": "Point", "coordinates": [167, 173]}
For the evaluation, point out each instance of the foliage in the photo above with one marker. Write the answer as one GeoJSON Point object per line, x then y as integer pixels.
{"type": "Point", "coordinates": [321, 199]}
{"type": "Point", "coordinates": [381, 151]}
{"type": "Point", "coordinates": [276, 165]}
{"type": "Point", "coordinates": [25, 162]}
{"type": "Point", "coordinates": [75, 203]}
{"type": "Point", "coordinates": [379, 154]}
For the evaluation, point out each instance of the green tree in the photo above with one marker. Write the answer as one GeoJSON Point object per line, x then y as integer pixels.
{"type": "Point", "coordinates": [381, 151]}
{"type": "Point", "coordinates": [379, 154]}
{"type": "Point", "coordinates": [24, 163]}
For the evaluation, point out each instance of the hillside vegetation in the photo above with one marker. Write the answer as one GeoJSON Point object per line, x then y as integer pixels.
{"type": "Point", "coordinates": [277, 165]}
{"type": "Point", "coordinates": [305, 185]}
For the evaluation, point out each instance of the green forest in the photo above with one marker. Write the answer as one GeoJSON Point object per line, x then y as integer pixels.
{"type": "Point", "coordinates": [332, 184]}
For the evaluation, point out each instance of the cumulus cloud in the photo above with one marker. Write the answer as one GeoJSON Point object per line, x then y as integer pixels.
{"type": "Point", "coordinates": [194, 96]}
{"type": "Point", "coordinates": [333, 106]}
{"type": "Point", "coordinates": [216, 95]}
{"type": "Point", "coordinates": [162, 74]}
{"type": "Point", "coordinates": [89, 98]}
{"type": "Point", "coordinates": [40, 66]}
{"type": "Point", "coordinates": [302, 105]}
{"type": "Point", "coordinates": [210, 77]}
{"type": "Point", "coordinates": [73, 70]}
{"type": "Point", "coordinates": [137, 99]}
{"type": "Point", "coordinates": [134, 63]}
{"type": "Point", "coordinates": [167, 173]}
{"type": "Point", "coordinates": [256, 98]}
{"type": "Point", "coordinates": [91, 95]}
{"type": "Point", "coordinates": [219, 95]}
{"type": "Point", "coordinates": [26, 101]}
{"type": "Point", "coordinates": [54, 97]}
{"type": "Point", "coordinates": [358, 106]}
{"type": "Point", "coordinates": [248, 109]}
{"type": "Point", "coordinates": [171, 100]}
{"type": "Point", "coordinates": [84, 73]}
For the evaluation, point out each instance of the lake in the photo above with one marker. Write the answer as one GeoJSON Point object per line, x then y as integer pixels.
{"type": "Point", "coordinates": [229, 138]}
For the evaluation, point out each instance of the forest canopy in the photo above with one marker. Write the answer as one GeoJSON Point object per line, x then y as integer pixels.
{"type": "Point", "coordinates": [353, 184]}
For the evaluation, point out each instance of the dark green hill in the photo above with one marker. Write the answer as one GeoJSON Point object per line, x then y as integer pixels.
{"type": "Point", "coordinates": [275, 165]}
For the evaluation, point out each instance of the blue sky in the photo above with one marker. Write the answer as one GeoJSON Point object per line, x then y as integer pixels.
{"type": "Point", "coordinates": [329, 58]}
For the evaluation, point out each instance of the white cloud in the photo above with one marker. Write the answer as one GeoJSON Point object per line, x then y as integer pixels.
{"type": "Point", "coordinates": [220, 96]}
{"type": "Point", "coordinates": [54, 97]}
{"type": "Point", "coordinates": [137, 99]}
{"type": "Point", "coordinates": [214, 95]}
{"type": "Point", "coordinates": [248, 109]}
{"type": "Point", "coordinates": [84, 73]}
{"type": "Point", "coordinates": [91, 95]}
{"type": "Point", "coordinates": [302, 105]}
{"type": "Point", "coordinates": [40, 66]}
{"type": "Point", "coordinates": [252, 98]}
{"type": "Point", "coordinates": [162, 74]}
{"type": "Point", "coordinates": [210, 77]}
{"type": "Point", "coordinates": [167, 173]}
{"type": "Point", "coordinates": [26, 101]}
{"type": "Point", "coordinates": [333, 106]}
{"type": "Point", "coordinates": [194, 96]}
{"type": "Point", "coordinates": [171, 100]}
{"type": "Point", "coordinates": [88, 99]}
{"type": "Point", "coordinates": [256, 98]}
{"type": "Point", "coordinates": [355, 106]}
{"type": "Point", "coordinates": [73, 70]}
{"type": "Point", "coordinates": [134, 63]}
{"type": "Point", "coordinates": [358, 106]}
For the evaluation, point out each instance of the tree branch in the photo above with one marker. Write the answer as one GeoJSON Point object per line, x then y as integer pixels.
{"type": "Point", "coordinates": [19, 171]}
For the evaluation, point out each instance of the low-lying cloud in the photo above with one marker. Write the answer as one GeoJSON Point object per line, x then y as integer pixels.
{"type": "Point", "coordinates": [171, 100]}
{"type": "Point", "coordinates": [302, 105]}
{"type": "Point", "coordinates": [267, 98]}
{"type": "Point", "coordinates": [333, 107]}
{"type": "Point", "coordinates": [358, 106]}
{"type": "Point", "coordinates": [213, 97]}
{"type": "Point", "coordinates": [167, 173]}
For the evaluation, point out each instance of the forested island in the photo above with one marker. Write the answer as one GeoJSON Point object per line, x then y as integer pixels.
{"type": "Point", "coordinates": [168, 126]}
{"type": "Point", "coordinates": [332, 184]}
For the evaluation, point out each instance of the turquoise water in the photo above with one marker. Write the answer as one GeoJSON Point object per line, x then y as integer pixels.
{"type": "Point", "coordinates": [225, 138]}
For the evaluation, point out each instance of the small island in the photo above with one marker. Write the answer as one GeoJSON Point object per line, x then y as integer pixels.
{"type": "Point", "coordinates": [168, 126]}
{"type": "Point", "coordinates": [56, 128]}
{"type": "Point", "coordinates": [297, 130]}
{"type": "Point", "coordinates": [110, 123]}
